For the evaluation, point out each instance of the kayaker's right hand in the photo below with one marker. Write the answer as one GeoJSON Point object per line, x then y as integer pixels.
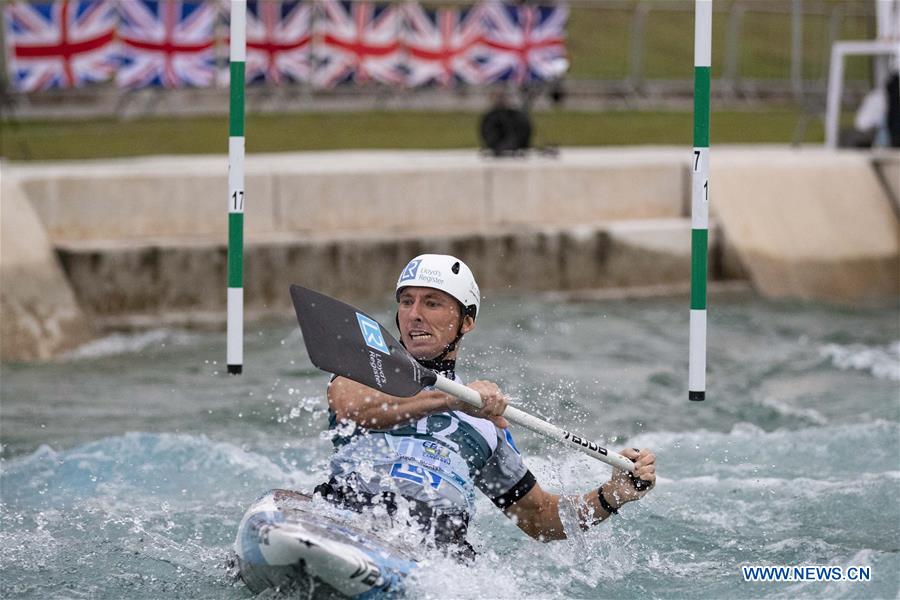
{"type": "Point", "coordinates": [620, 488]}
{"type": "Point", "coordinates": [493, 403]}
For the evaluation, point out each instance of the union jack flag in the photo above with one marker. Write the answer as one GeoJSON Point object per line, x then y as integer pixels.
{"type": "Point", "coordinates": [167, 43]}
{"type": "Point", "coordinates": [358, 41]}
{"type": "Point", "coordinates": [441, 45]}
{"type": "Point", "coordinates": [523, 43]}
{"type": "Point", "coordinates": [60, 44]}
{"type": "Point", "coordinates": [278, 40]}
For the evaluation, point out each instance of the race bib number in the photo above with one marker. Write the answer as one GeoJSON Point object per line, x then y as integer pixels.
{"type": "Point", "coordinates": [415, 474]}
{"type": "Point", "coordinates": [429, 463]}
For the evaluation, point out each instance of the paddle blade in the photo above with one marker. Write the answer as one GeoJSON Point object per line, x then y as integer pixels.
{"type": "Point", "coordinates": [345, 341]}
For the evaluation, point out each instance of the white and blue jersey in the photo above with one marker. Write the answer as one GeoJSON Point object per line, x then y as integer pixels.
{"type": "Point", "coordinates": [440, 460]}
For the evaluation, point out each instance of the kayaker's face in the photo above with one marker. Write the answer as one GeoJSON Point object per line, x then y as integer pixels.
{"type": "Point", "coordinates": [429, 320]}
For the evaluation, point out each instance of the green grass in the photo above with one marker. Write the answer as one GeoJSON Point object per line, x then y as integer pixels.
{"type": "Point", "coordinates": [46, 140]}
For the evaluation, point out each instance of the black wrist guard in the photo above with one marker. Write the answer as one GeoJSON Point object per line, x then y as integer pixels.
{"type": "Point", "coordinates": [604, 504]}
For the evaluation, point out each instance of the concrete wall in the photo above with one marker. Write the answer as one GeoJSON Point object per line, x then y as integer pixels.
{"type": "Point", "coordinates": [138, 283]}
{"type": "Point", "coordinates": [812, 229]}
{"type": "Point", "coordinates": [142, 241]}
{"type": "Point", "coordinates": [317, 193]}
{"type": "Point", "coordinates": [39, 315]}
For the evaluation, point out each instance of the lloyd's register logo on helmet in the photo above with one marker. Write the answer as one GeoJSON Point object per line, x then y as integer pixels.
{"type": "Point", "coordinates": [371, 332]}
{"type": "Point", "coordinates": [411, 269]}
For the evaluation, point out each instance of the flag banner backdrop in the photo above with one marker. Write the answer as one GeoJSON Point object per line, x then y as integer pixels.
{"type": "Point", "coordinates": [61, 44]}
{"type": "Point", "coordinates": [443, 46]}
{"type": "Point", "coordinates": [324, 43]}
{"type": "Point", "coordinates": [523, 43]}
{"type": "Point", "coordinates": [168, 43]}
{"type": "Point", "coordinates": [279, 41]}
{"type": "Point", "coordinates": [359, 41]}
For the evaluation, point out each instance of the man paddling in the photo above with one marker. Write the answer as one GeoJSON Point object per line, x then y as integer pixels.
{"type": "Point", "coordinates": [431, 451]}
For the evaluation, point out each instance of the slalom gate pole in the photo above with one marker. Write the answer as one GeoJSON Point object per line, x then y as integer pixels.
{"type": "Point", "coordinates": [237, 57]}
{"type": "Point", "coordinates": [700, 199]}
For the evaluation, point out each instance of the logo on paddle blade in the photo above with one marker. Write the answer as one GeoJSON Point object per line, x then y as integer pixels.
{"type": "Point", "coordinates": [410, 271]}
{"type": "Point", "coordinates": [371, 332]}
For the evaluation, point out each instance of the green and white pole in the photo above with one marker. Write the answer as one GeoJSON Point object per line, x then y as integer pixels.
{"type": "Point", "coordinates": [700, 199]}
{"type": "Point", "coordinates": [237, 57]}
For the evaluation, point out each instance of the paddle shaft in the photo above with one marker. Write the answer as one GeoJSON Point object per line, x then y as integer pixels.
{"type": "Point", "coordinates": [342, 340]}
{"type": "Point", "coordinates": [592, 449]}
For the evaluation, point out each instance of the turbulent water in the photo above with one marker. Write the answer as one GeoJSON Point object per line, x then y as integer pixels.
{"type": "Point", "coordinates": [127, 465]}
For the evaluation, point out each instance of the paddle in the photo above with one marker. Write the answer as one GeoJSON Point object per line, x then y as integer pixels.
{"type": "Point", "coordinates": [345, 341]}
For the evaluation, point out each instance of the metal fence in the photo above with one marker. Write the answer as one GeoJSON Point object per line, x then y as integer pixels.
{"type": "Point", "coordinates": [623, 53]}
{"type": "Point", "coordinates": [773, 50]}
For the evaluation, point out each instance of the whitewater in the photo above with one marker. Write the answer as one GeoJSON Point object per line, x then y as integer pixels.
{"type": "Point", "coordinates": [127, 464]}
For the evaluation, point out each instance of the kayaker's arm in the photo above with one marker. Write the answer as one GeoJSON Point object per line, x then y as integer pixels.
{"type": "Point", "coordinates": [537, 513]}
{"type": "Point", "coordinates": [372, 409]}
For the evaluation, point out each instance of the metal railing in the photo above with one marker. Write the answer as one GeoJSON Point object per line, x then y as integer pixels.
{"type": "Point", "coordinates": [651, 65]}
{"type": "Point", "coordinates": [812, 27]}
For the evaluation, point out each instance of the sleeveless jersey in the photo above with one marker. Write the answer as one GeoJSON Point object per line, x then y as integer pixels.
{"type": "Point", "coordinates": [440, 460]}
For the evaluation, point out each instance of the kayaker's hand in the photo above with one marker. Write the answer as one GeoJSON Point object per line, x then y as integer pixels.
{"type": "Point", "coordinates": [493, 403]}
{"type": "Point", "coordinates": [620, 487]}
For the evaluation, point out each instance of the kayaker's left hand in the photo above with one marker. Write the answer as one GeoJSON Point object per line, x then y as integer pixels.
{"type": "Point", "coordinates": [620, 487]}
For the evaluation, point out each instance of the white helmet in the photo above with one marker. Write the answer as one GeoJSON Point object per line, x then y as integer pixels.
{"type": "Point", "coordinates": [446, 273]}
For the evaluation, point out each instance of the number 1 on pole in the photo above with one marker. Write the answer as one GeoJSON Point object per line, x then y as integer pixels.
{"type": "Point", "coordinates": [235, 319]}
{"type": "Point", "coordinates": [700, 199]}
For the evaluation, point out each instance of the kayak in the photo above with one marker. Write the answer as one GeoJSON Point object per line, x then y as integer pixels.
{"type": "Point", "coordinates": [283, 540]}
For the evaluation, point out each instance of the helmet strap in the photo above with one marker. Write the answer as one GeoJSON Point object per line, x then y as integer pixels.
{"type": "Point", "coordinates": [452, 345]}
